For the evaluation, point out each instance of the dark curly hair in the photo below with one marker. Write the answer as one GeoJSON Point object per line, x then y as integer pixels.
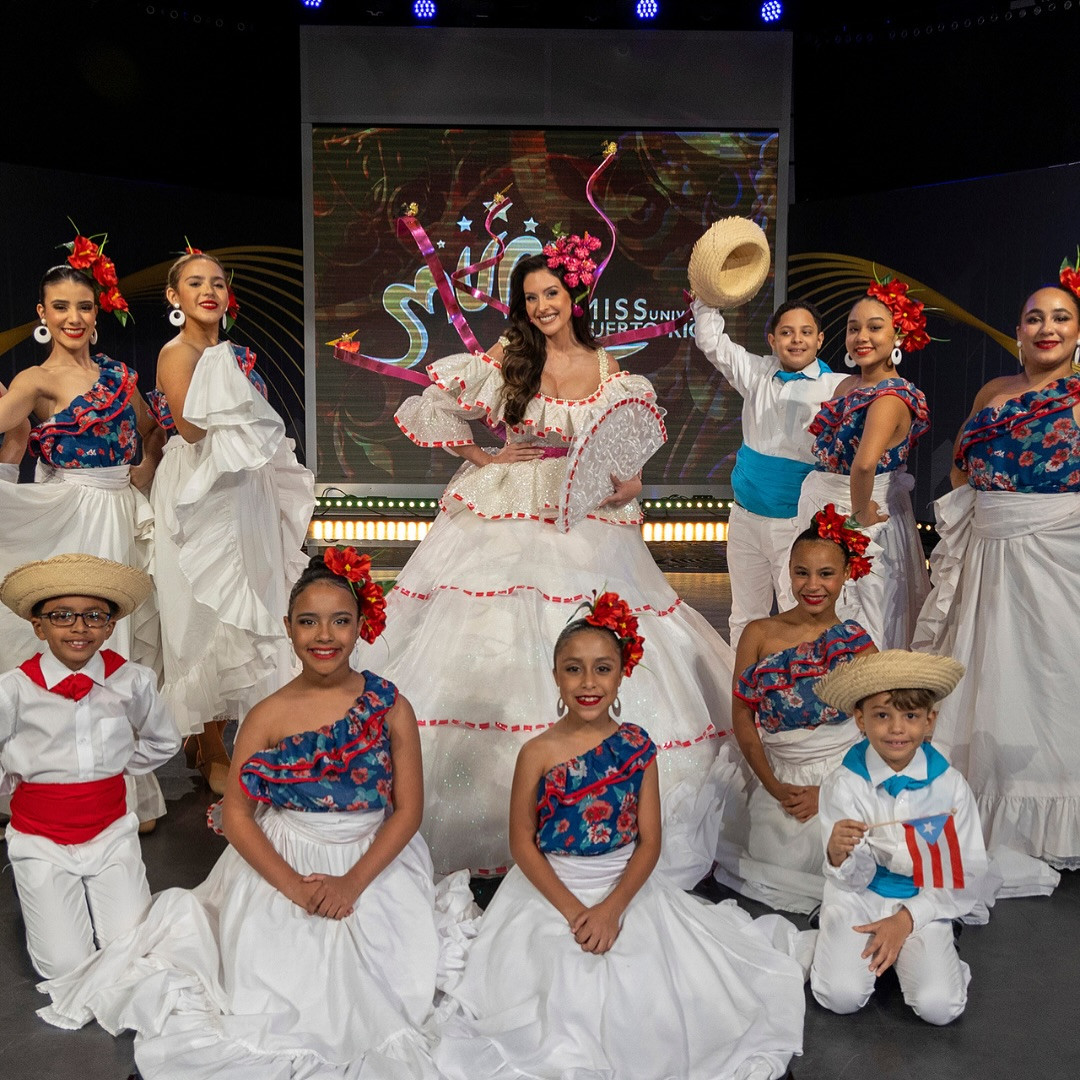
{"type": "Point", "coordinates": [523, 358]}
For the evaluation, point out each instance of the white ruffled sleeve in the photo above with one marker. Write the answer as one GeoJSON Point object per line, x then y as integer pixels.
{"type": "Point", "coordinates": [464, 388]}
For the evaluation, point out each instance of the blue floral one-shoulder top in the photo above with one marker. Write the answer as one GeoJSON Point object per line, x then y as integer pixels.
{"type": "Point", "coordinates": [780, 686]}
{"type": "Point", "coordinates": [1030, 443]}
{"type": "Point", "coordinates": [838, 427]}
{"type": "Point", "coordinates": [589, 804]}
{"type": "Point", "coordinates": [98, 428]}
{"type": "Point", "coordinates": [344, 766]}
{"type": "Point", "coordinates": [159, 404]}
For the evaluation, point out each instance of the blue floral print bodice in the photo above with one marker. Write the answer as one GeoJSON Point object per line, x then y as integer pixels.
{"type": "Point", "coordinates": [1029, 444]}
{"type": "Point", "coordinates": [159, 403]}
{"type": "Point", "coordinates": [838, 427]}
{"type": "Point", "coordinates": [780, 686]}
{"type": "Point", "coordinates": [589, 804]}
{"type": "Point", "coordinates": [99, 428]}
{"type": "Point", "coordinates": [344, 766]}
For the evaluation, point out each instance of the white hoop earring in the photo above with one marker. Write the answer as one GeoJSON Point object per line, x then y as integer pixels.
{"type": "Point", "coordinates": [848, 361]}
{"type": "Point", "coordinates": [225, 321]}
{"type": "Point", "coordinates": [1076, 358]}
{"type": "Point", "coordinates": [42, 333]}
{"type": "Point", "coordinates": [897, 356]}
{"type": "Point", "coordinates": [93, 336]}
{"type": "Point", "coordinates": [561, 708]}
{"type": "Point", "coordinates": [1020, 353]}
{"type": "Point", "coordinates": [176, 316]}
{"type": "Point", "coordinates": [616, 708]}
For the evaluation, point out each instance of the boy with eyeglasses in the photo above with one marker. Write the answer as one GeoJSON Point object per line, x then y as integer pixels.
{"type": "Point", "coordinates": [74, 719]}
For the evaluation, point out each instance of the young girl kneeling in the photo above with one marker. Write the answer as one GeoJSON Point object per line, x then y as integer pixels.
{"type": "Point", "coordinates": [311, 949]}
{"type": "Point", "coordinates": [581, 934]}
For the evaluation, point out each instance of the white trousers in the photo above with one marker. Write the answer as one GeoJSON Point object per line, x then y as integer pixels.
{"type": "Point", "coordinates": [75, 894]}
{"type": "Point", "coordinates": [932, 976]}
{"type": "Point", "coordinates": [758, 550]}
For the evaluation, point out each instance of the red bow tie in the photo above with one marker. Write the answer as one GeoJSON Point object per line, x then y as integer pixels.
{"type": "Point", "coordinates": [75, 686]}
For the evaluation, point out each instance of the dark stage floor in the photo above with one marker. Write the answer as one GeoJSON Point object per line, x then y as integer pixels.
{"type": "Point", "coordinates": [1025, 985]}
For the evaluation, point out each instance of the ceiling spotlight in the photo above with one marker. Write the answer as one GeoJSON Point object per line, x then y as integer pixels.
{"type": "Point", "coordinates": [424, 9]}
{"type": "Point", "coordinates": [771, 10]}
{"type": "Point", "coordinates": [647, 9]}
{"type": "Point", "coordinates": [311, 3]}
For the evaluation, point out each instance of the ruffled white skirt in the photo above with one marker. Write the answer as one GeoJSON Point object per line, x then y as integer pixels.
{"type": "Point", "coordinates": [688, 991]}
{"type": "Point", "coordinates": [471, 624]}
{"type": "Point", "coordinates": [231, 979]}
{"type": "Point", "coordinates": [232, 512]}
{"type": "Point", "coordinates": [1005, 603]}
{"type": "Point", "coordinates": [762, 852]}
{"type": "Point", "coordinates": [887, 600]}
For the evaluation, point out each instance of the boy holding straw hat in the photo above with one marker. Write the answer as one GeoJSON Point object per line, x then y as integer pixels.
{"type": "Point", "coordinates": [74, 719]}
{"type": "Point", "coordinates": [903, 842]}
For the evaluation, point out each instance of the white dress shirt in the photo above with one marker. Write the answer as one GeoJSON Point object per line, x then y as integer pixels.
{"type": "Point", "coordinates": [845, 794]}
{"type": "Point", "coordinates": [775, 413]}
{"type": "Point", "coordinates": [121, 726]}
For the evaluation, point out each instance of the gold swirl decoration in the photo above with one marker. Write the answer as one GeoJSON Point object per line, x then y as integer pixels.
{"type": "Point", "coordinates": [833, 282]}
{"type": "Point", "coordinates": [269, 284]}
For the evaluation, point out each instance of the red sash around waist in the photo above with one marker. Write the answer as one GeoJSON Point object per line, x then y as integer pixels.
{"type": "Point", "coordinates": [68, 813]}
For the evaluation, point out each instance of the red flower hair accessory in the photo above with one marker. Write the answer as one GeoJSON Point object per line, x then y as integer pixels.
{"type": "Point", "coordinates": [1069, 274]}
{"type": "Point", "coordinates": [908, 317]}
{"type": "Point", "coordinates": [574, 254]}
{"type": "Point", "coordinates": [355, 568]}
{"type": "Point", "coordinates": [611, 612]}
{"type": "Point", "coordinates": [832, 525]}
{"type": "Point", "coordinates": [87, 255]}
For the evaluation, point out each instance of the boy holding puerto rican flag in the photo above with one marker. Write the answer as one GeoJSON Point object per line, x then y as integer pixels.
{"type": "Point", "coordinates": [903, 843]}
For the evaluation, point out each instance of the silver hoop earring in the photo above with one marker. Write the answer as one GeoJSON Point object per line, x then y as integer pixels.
{"type": "Point", "coordinates": [561, 709]}
{"type": "Point", "coordinates": [616, 708]}
{"type": "Point", "coordinates": [176, 316]}
{"type": "Point", "coordinates": [93, 336]}
{"type": "Point", "coordinates": [42, 333]}
{"type": "Point", "coordinates": [848, 361]}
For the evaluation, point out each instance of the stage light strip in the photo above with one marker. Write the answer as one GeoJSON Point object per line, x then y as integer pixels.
{"type": "Point", "coordinates": [332, 531]}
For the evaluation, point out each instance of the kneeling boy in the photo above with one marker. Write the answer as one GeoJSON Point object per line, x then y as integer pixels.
{"type": "Point", "coordinates": [903, 843]}
{"type": "Point", "coordinates": [73, 720]}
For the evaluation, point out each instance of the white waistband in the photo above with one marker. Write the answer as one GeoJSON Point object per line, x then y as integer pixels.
{"type": "Point", "coordinates": [591, 871]}
{"type": "Point", "coordinates": [1002, 514]}
{"type": "Point", "coordinates": [100, 476]}
{"type": "Point", "coordinates": [330, 826]}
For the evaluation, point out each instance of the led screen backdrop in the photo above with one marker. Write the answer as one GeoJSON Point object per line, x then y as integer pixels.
{"type": "Point", "coordinates": [663, 190]}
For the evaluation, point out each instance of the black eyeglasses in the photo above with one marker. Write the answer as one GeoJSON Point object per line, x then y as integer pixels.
{"type": "Point", "coordinates": [92, 620]}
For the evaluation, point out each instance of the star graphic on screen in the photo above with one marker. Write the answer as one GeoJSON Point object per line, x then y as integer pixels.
{"type": "Point", "coordinates": [530, 224]}
{"type": "Point", "coordinates": [500, 214]}
{"type": "Point", "coordinates": [464, 225]}
{"type": "Point", "coordinates": [440, 243]}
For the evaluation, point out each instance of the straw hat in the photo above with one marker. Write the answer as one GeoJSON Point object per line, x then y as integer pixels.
{"type": "Point", "coordinates": [895, 669]}
{"type": "Point", "coordinates": [729, 263]}
{"type": "Point", "coordinates": [74, 575]}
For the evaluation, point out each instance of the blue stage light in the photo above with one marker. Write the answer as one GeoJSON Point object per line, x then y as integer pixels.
{"type": "Point", "coordinates": [646, 9]}
{"type": "Point", "coordinates": [424, 9]}
{"type": "Point", "coordinates": [311, 3]}
{"type": "Point", "coordinates": [771, 10]}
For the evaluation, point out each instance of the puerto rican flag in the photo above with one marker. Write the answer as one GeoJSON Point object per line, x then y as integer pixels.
{"type": "Point", "coordinates": [935, 852]}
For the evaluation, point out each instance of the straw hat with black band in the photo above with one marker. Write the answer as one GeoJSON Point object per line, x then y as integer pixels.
{"type": "Point", "coordinates": [75, 574]}
{"type": "Point", "coordinates": [895, 669]}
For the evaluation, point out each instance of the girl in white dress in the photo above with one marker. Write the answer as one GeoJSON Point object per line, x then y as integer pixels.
{"type": "Point", "coordinates": [587, 962]}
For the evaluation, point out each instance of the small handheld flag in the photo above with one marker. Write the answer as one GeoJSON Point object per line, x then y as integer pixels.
{"type": "Point", "coordinates": [935, 852]}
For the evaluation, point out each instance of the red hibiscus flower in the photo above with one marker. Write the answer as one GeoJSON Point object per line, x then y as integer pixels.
{"type": "Point", "coordinates": [83, 252]}
{"type": "Point", "coordinates": [104, 271]}
{"type": "Point", "coordinates": [632, 652]}
{"type": "Point", "coordinates": [1070, 278]}
{"type": "Point", "coordinates": [597, 811]}
{"type": "Point", "coordinates": [232, 308]}
{"type": "Point", "coordinates": [372, 611]}
{"type": "Point", "coordinates": [111, 300]}
{"type": "Point", "coordinates": [859, 567]}
{"type": "Point", "coordinates": [830, 524]}
{"type": "Point", "coordinates": [348, 563]}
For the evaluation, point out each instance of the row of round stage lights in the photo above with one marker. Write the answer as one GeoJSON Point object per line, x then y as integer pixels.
{"type": "Point", "coordinates": [645, 10]}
